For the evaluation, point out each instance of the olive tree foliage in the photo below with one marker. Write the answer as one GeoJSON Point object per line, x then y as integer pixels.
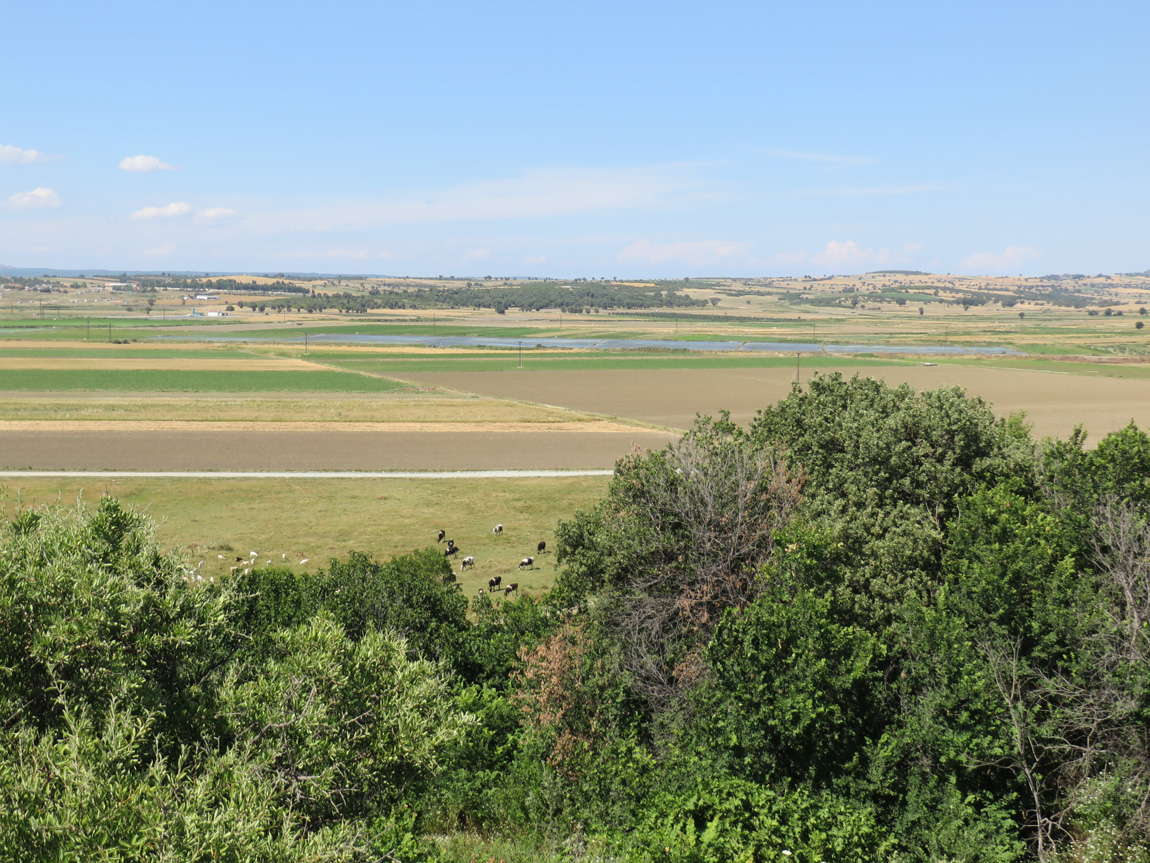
{"type": "Point", "coordinates": [681, 536]}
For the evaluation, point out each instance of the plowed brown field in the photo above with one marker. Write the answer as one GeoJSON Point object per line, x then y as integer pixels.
{"type": "Point", "coordinates": [225, 447]}
{"type": "Point", "coordinates": [1054, 402]}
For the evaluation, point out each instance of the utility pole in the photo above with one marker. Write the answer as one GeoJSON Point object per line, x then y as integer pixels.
{"type": "Point", "coordinates": [521, 355]}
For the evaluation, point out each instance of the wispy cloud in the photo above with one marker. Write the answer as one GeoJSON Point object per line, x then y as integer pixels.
{"type": "Point", "coordinates": [214, 216]}
{"type": "Point", "coordinates": [168, 211]}
{"type": "Point", "coordinates": [539, 193]}
{"type": "Point", "coordinates": [144, 163]}
{"type": "Point", "coordinates": [17, 156]}
{"type": "Point", "coordinates": [988, 263]}
{"type": "Point", "coordinates": [476, 255]}
{"type": "Point", "coordinates": [848, 256]}
{"type": "Point", "coordinates": [694, 252]}
{"type": "Point", "coordinates": [37, 199]}
{"type": "Point", "coordinates": [826, 159]}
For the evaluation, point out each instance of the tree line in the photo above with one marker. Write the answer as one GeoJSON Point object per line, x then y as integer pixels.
{"type": "Point", "coordinates": [579, 297]}
{"type": "Point", "coordinates": [876, 624]}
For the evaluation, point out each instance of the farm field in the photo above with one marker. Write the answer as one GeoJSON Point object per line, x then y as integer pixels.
{"type": "Point", "coordinates": [282, 447]}
{"type": "Point", "coordinates": [318, 519]}
{"type": "Point", "coordinates": [1055, 402]}
{"type": "Point", "coordinates": [159, 392]}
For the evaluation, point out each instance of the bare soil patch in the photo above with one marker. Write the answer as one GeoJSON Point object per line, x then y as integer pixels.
{"type": "Point", "coordinates": [339, 448]}
{"type": "Point", "coordinates": [1054, 403]}
{"type": "Point", "coordinates": [596, 426]}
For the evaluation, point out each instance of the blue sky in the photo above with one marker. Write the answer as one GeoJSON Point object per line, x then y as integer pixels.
{"type": "Point", "coordinates": [576, 139]}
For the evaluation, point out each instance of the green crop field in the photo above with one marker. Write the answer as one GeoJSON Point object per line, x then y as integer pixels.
{"type": "Point", "coordinates": [132, 352]}
{"type": "Point", "coordinates": [197, 381]}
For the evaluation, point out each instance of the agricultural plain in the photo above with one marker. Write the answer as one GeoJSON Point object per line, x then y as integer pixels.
{"type": "Point", "coordinates": [136, 378]}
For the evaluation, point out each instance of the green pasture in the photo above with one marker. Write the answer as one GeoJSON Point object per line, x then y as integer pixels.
{"type": "Point", "coordinates": [319, 519]}
{"type": "Point", "coordinates": [79, 328]}
{"type": "Point", "coordinates": [198, 381]}
{"type": "Point", "coordinates": [126, 352]}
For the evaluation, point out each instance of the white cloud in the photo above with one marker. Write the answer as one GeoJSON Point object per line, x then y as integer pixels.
{"type": "Point", "coordinates": [988, 263]}
{"type": "Point", "coordinates": [537, 259]}
{"type": "Point", "coordinates": [476, 255]}
{"type": "Point", "coordinates": [695, 252]}
{"type": "Point", "coordinates": [144, 163]}
{"type": "Point", "coordinates": [176, 208]}
{"type": "Point", "coordinates": [14, 155]}
{"type": "Point", "coordinates": [214, 215]}
{"type": "Point", "coordinates": [37, 199]}
{"type": "Point", "coordinates": [849, 257]}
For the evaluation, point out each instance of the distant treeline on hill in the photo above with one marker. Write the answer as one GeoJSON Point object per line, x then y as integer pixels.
{"type": "Point", "coordinates": [531, 296]}
{"type": "Point", "coordinates": [233, 286]}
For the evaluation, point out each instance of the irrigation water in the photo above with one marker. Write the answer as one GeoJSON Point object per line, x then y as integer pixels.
{"type": "Point", "coordinates": [626, 344]}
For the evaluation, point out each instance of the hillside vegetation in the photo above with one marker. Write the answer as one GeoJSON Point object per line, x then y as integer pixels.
{"type": "Point", "coordinates": [875, 625]}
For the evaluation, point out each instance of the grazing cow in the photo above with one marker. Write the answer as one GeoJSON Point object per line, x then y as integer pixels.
{"type": "Point", "coordinates": [528, 562]}
{"type": "Point", "coordinates": [448, 552]}
{"type": "Point", "coordinates": [494, 582]}
{"type": "Point", "coordinates": [440, 536]}
{"type": "Point", "coordinates": [511, 588]}
{"type": "Point", "coordinates": [497, 530]}
{"type": "Point", "coordinates": [451, 543]}
{"type": "Point", "coordinates": [542, 547]}
{"type": "Point", "coordinates": [468, 562]}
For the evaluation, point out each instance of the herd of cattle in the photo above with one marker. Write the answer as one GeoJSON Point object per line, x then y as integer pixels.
{"type": "Point", "coordinates": [496, 581]}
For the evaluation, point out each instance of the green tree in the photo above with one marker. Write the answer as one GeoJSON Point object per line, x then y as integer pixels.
{"type": "Point", "coordinates": [91, 613]}
{"type": "Point", "coordinates": [680, 537]}
{"type": "Point", "coordinates": [348, 728]}
{"type": "Point", "coordinates": [883, 470]}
